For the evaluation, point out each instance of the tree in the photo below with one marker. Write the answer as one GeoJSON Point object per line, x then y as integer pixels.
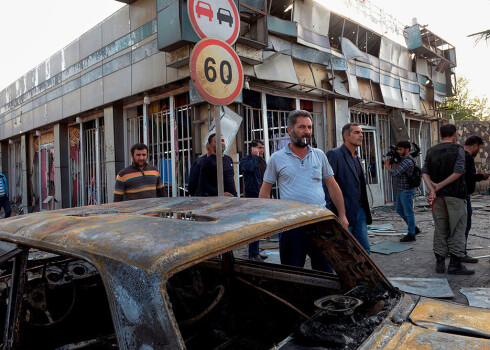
{"type": "Point", "coordinates": [464, 107]}
{"type": "Point", "coordinates": [485, 35]}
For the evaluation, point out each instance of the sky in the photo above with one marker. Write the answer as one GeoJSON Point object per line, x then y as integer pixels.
{"type": "Point", "coordinates": [453, 21]}
{"type": "Point", "coordinates": [34, 30]}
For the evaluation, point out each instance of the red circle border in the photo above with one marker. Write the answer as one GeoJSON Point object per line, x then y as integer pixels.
{"type": "Point", "coordinates": [200, 33]}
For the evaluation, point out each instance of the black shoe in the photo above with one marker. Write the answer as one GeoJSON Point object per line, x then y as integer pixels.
{"type": "Point", "coordinates": [258, 258]}
{"type": "Point", "coordinates": [408, 238]}
{"type": "Point", "coordinates": [440, 264]}
{"type": "Point", "coordinates": [417, 230]}
{"type": "Point", "coordinates": [455, 267]}
{"type": "Point", "coordinates": [263, 256]}
{"type": "Point", "coordinates": [469, 259]}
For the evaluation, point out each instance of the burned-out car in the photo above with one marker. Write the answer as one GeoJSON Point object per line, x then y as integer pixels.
{"type": "Point", "coordinates": [161, 274]}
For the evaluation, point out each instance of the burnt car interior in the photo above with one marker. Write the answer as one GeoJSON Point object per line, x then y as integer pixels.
{"type": "Point", "coordinates": [238, 304]}
{"type": "Point", "coordinates": [54, 302]}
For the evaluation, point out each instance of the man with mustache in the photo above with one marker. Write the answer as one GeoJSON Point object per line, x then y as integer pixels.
{"type": "Point", "coordinates": [350, 177]}
{"type": "Point", "coordinates": [299, 171]}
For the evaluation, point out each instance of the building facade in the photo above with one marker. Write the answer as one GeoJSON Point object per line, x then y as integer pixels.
{"type": "Point", "coordinates": [66, 127]}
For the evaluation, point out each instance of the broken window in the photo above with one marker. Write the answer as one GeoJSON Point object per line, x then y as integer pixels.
{"type": "Point", "coordinates": [64, 303]}
{"type": "Point", "coordinates": [281, 9]}
{"type": "Point", "coordinates": [363, 38]}
{"type": "Point", "coordinates": [253, 23]}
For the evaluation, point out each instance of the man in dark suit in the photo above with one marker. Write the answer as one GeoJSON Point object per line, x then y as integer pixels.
{"type": "Point", "coordinates": [208, 179]}
{"type": "Point", "coordinates": [350, 177]}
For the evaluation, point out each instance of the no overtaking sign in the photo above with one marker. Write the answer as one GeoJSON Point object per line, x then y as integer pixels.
{"type": "Point", "coordinates": [215, 19]}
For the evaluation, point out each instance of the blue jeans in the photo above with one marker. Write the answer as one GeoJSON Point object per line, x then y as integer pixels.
{"type": "Point", "coordinates": [359, 231]}
{"type": "Point", "coordinates": [5, 204]}
{"type": "Point", "coordinates": [253, 249]}
{"type": "Point", "coordinates": [404, 208]}
{"type": "Point", "coordinates": [295, 244]}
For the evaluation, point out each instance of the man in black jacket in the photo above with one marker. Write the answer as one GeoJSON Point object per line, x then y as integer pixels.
{"type": "Point", "coordinates": [196, 172]}
{"type": "Point", "coordinates": [208, 181]}
{"type": "Point", "coordinates": [472, 147]}
{"type": "Point", "coordinates": [443, 174]}
{"type": "Point", "coordinates": [349, 175]}
{"type": "Point", "coordinates": [253, 168]}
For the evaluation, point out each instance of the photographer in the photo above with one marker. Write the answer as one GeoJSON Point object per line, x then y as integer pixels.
{"type": "Point", "coordinates": [404, 197]}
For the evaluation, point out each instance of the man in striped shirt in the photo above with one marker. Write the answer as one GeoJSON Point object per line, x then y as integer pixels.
{"type": "Point", "coordinates": [139, 180]}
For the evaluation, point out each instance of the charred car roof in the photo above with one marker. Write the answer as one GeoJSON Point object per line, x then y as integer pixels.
{"type": "Point", "coordinates": [160, 233]}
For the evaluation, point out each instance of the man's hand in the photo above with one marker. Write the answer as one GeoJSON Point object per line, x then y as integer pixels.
{"type": "Point", "coordinates": [265, 190]}
{"type": "Point", "coordinates": [254, 151]}
{"type": "Point", "coordinates": [387, 164]}
{"type": "Point", "coordinates": [337, 199]}
{"type": "Point", "coordinates": [228, 194]}
{"type": "Point", "coordinates": [343, 220]}
{"type": "Point", "coordinates": [435, 186]}
{"type": "Point", "coordinates": [432, 195]}
{"type": "Point", "coordinates": [485, 175]}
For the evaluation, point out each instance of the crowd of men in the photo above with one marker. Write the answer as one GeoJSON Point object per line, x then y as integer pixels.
{"type": "Point", "coordinates": [335, 180]}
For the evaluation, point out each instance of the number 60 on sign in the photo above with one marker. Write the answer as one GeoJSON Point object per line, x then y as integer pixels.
{"type": "Point", "coordinates": [216, 71]}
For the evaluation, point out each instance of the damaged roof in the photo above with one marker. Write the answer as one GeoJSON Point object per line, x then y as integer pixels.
{"type": "Point", "coordinates": [160, 233]}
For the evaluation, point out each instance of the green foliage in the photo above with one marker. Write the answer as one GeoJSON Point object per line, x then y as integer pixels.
{"type": "Point", "coordinates": [464, 107]}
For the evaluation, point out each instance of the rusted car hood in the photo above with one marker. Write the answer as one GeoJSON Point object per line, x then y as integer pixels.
{"type": "Point", "coordinates": [438, 324]}
{"type": "Point", "coordinates": [138, 233]}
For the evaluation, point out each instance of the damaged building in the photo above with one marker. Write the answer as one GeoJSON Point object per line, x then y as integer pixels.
{"type": "Point", "coordinates": [66, 127]}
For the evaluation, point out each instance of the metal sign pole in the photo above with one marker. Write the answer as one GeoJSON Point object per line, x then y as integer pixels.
{"type": "Point", "coordinates": [219, 150]}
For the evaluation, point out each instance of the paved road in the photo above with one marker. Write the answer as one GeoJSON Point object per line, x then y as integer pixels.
{"type": "Point", "coordinates": [419, 262]}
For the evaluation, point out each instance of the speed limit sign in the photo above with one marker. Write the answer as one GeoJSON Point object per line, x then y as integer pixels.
{"type": "Point", "coordinates": [216, 71]}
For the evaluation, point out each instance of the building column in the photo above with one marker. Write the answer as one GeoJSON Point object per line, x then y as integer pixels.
{"type": "Point", "coordinates": [61, 169]}
{"type": "Point", "coordinates": [434, 127]}
{"type": "Point", "coordinates": [114, 145]}
{"type": "Point", "coordinates": [342, 117]}
{"type": "Point", "coordinates": [4, 161]}
{"type": "Point", "coordinates": [24, 189]}
{"type": "Point", "coordinates": [30, 175]}
{"type": "Point", "coordinates": [330, 124]}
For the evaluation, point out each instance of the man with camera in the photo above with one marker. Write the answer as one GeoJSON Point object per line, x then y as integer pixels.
{"type": "Point", "coordinates": [404, 198]}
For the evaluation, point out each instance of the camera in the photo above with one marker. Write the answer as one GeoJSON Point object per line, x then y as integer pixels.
{"type": "Point", "coordinates": [395, 158]}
